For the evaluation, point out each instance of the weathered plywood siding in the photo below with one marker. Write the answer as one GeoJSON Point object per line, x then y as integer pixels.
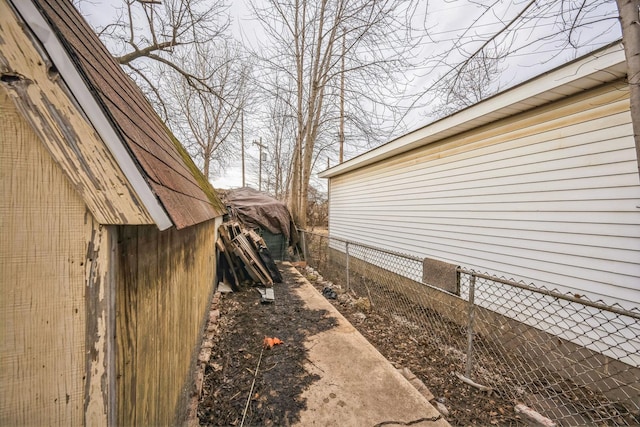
{"type": "Point", "coordinates": [183, 191]}
{"type": "Point", "coordinates": [41, 95]}
{"type": "Point", "coordinates": [163, 292]}
{"type": "Point", "coordinates": [549, 196]}
{"type": "Point", "coordinates": [45, 227]}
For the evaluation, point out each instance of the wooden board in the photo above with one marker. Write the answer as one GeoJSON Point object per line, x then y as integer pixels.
{"type": "Point", "coordinates": [242, 247]}
{"type": "Point", "coordinates": [70, 139]}
{"type": "Point", "coordinates": [163, 291]}
{"type": "Point", "coordinates": [42, 291]}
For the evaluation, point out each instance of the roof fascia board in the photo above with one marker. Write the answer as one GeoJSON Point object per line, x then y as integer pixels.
{"type": "Point", "coordinates": [72, 78]}
{"type": "Point", "coordinates": [564, 75]}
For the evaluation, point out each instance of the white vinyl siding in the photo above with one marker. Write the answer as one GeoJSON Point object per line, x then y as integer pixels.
{"type": "Point", "coordinates": [550, 197]}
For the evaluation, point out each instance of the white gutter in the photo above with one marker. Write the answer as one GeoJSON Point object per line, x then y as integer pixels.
{"type": "Point", "coordinates": [566, 74]}
{"type": "Point", "coordinates": [56, 52]}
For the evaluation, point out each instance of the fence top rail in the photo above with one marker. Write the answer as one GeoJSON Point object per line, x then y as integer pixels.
{"type": "Point", "coordinates": [363, 245]}
{"type": "Point", "coordinates": [635, 314]}
{"type": "Point", "coordinates": [313, 233]}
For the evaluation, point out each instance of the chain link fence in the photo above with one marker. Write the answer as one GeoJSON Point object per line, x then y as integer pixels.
{"type": "Point", "coordinates": [575, 361]}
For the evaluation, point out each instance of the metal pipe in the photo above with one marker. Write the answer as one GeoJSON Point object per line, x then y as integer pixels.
{"type": "Point", "coordinates": [347, 252]}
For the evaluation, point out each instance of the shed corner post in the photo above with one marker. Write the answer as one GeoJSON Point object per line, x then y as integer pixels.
{"type": "Point", "coordinates": [100, 270]}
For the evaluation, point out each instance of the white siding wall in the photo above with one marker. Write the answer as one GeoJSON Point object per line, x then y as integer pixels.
{"type": "Point", "coordinates": [549, 197]}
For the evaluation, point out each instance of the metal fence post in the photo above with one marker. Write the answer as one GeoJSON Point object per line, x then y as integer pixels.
{"type": "Point", "coordinates": [324, 252]}
{"type": "Point", "coordinates": [305, 249]}
{"type": "Point", "coordinates": [347, 254]}
{"type": "Point", "coordinates": [470, 325]}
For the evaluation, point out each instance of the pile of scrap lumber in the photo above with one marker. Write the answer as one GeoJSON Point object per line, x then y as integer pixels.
{"type": "Point", "coordinates": [244, 257]}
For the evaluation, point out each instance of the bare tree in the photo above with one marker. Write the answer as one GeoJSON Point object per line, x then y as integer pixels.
{"type": "Point", "coordinates": [630, 23]}
{"type": "Point", "coordinates": [148, 38]}
{"type": "Point", "coordinates": [305, 45]}
{"type": "Point", "coordinates": [317, 208]}
{"type": "Point", "coordinates": [279, 129]}
{"type": "Point", "coordinates": [568, 25]}
{"type": "Point", "coordinates": [478, 80]}
{"type": "Point", "coordinates": [209, 122]}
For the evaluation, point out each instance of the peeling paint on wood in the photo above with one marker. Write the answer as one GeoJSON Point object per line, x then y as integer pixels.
{"type": "Point", "coordinates": [63, 129]}
{"type": "Point", "coordinates": [42, 303]}
{"type": "Point", "coordinates": [173, 190]}
{"type": "Point", "coordinates": [97, 305]}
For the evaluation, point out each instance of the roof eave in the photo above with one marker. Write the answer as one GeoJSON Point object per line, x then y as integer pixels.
{"type": "Point", "coordinates": [608, 64]}
{"type": "Point", "coordinates": [93, 111]}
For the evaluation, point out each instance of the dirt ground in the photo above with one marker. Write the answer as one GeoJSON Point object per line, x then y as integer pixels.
{"type": "Point", "coordinates": [275, 392]}
{"type": "Point", "coordinates": [405, 348]}
{"type": "Point", "coordinates": [243, 325]}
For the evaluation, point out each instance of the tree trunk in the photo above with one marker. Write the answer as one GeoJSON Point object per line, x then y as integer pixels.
{"type": "Point", "coordinates": [206, 167]}
{"type": "Point", "coordinates": [341, 130]}
{"type": "Point", "coordinates": [630, 23]}
{"type": "Point", "coordinates": [296, 175]}
{"type": "Point", "coordinates": [294, 195]}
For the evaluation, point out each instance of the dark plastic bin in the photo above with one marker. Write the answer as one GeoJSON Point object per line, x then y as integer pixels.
{"type": "Point", "coordinates": [276, 243]}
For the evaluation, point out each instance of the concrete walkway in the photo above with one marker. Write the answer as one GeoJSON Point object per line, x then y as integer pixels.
{"type": "Point", "coordinates": [357, 386]}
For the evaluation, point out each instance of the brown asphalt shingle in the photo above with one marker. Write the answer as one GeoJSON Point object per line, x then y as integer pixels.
{"type": "Point", "coordinates": [186, 195]}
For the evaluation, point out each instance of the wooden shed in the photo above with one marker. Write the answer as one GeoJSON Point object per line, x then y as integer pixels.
{"type": "Point", "coordinates": [107, 258]}
{"type": "Point", "coordinates": [539, 183]}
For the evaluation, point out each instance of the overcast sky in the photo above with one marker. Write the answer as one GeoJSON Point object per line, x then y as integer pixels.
{"type": "Point", "coordinates": [447, 22]}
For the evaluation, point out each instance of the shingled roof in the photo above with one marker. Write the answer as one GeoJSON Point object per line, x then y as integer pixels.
{"type": "Point", "coordinates": [184, 193]}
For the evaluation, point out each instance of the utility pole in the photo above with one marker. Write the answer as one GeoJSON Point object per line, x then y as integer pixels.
{"type": "Point", "coordinates": [341, 136]}
{"type": "Point", "coordinates": [259, 144]}
{"type": "Point", "coordinates": [242, 141]}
